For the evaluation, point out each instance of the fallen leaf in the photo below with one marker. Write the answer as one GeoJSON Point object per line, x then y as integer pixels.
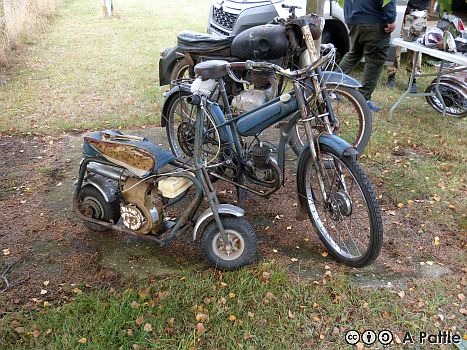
{"type": "Point", "coordinates": [35, 333]}
{"type": "Point", "coordinates": [386, 315]}
{"type": "Point", "coordinates": [265, 275]}
{"type": "Point", "coordinates": [324, 253]}
{"type": "Point", "coordinates": [436, 241]}
{"type": "Point", "coordinates": [46, 303]}
{"type": "Point", "coordinates": [46, 283]}
{"type": "Point", "coordinates": [247, 336]}
{"type": "Point", "coordinates": [232, 317]}
{"type": "Point", "coordinates": [360, 346]}
{"type": "Point", "coordinates": [321, 336]}
{"type": "Point", "coordinates": [200, 328]}
{"type": "Point", "coordinates": [223, 301]}
{"type": "Point", "coordinates": [171, 321]}
{"type": "Point", "coordinates": [289, 228]}
{"type": "Point", "coordinates": [48, 331]}
{"type": "Point", "coordinates": [147, 327]}
{"type": "Point", "coordinates": [19, 330]}
{"type": "Point", "coordinates": [143, 294]}
{"type": "Point", "coordinates": [77, 291]}
{"type": "Point", "coordinates": [429, 263]}
{"type": "Point", "coordinates": [315, 305]}
{"type": "Point", "coordinates": [232, 295]}
{"type": "Point", "coordinates": [401, 294]}
{"type": "Point", "coordinates": [291, 314]}
{"type": "Point", "coordinates": [436, 198]}
{"type": "Point", "coordinates": [139, 320]}
{"type": "Point", "coordinates": [315, 318]}
{"type": "Point", "coordinates": [129, 331]}
{"type": "Point", "coordinates": [400, 205]}
{"type": "Point", "coordinates": [6, 251]}
{"type": "Point", "coordinates": [83, 341]}
{"type": "Point", "coordinates": [223, 285]}
{"type": "Point", "coordinates": [274, 250]}
{"type": "Point", "coordinates": [269, 295]}
{"type": "Point", "coordinates": [43, 291]}
{"type": "Point", "coordinates": [200, 317]}
{"type": "Point", "coordinates": [463, 311]}
{"type": "Point", "coordinates": [251, 314]}
{"type": "Point", "coordinates": [134, 304]}
{"type": "Point", "coordinates": [293, 259]}
{"type": "Point", "coordinates": [452, 206]}
{"type": "Point", "coordinates": [461, 296]}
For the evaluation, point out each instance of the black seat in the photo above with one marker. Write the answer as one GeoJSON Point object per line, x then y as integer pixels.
{"type": "Point", "coordinates": [214, 69]}
{"type": "Point", "coordinates": [194, 41]}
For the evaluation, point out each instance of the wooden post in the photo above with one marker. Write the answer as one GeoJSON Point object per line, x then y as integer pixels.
{"type": "Point", "coordinates": [316, 7]}
{"type": "Point", "coordinates": [108, 7]}
{"type": "Point", "coordinates": [4, 42]}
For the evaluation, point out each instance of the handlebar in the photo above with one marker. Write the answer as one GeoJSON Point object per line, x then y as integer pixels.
{"type": "Point", "coordinates": [327, 49]}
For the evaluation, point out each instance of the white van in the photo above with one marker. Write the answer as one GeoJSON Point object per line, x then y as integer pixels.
{"type": "Point", "coordinates": [230, 17]}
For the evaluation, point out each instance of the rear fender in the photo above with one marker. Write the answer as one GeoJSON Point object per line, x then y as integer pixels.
{"type": "Point", "coordinates": [167, 96]}
{"type": "Point", "coordinates": [170, 56]}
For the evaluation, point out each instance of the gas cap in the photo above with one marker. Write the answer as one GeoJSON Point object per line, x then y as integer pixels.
{"type": "Point", "coordinates": [285, 98]}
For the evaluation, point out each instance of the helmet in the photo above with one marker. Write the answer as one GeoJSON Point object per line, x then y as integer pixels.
{"type": "Point", "coordinates": [432, 38]}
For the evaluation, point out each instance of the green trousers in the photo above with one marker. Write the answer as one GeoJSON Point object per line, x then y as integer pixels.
{"type": "Point", "coordinates": [371, 42]}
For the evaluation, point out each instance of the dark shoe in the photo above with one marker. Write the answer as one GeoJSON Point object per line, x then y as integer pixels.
{"type": "Point", "coordinates": [391, 81]}
{"type": "Point", "coordinates": [373, 107]}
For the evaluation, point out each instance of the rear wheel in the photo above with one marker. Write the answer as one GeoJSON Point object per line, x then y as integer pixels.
{"type": "Point", "coordinates": [242, 248]}
{"type": "Point", "coordinates": [93, 204]}
{"type": "Point", "coordinates": [346, 216]}
{"type": "Point", "coordinates": [353, 119]}
{"type": "Point", "coordinates": [180, 70]}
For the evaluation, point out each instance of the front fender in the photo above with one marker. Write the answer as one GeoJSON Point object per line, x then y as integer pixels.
{"type": "Point", "coordinates": [222, 209]}
{"type": "Point", "coordinates": [342, 147]}
{"type": "Point", "coordinates": [337, 78]}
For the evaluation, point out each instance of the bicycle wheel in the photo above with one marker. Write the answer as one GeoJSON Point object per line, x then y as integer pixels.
{"type": "Point", "coordinates": [353, 117]}
{"type": "Point", "coordinates": [180, 129]}
{"type": "Point", "coordinates": [454, 97]}
{"type": "Point", "coordinates": [347, 217]}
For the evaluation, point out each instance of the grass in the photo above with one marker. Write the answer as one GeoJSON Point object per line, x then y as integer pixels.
{"type": "Point", "coordinates": [237, 310]}
{"type": "Point", "coordinates": [88, 71]}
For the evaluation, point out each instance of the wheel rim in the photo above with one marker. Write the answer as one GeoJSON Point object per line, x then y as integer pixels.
{"type": "Point", "coordinates": [183, 72]}
{"type": "Point", "coordinates": [454, 99]}
{"type": "Point", "coordinates": [220, 248]}
{"type": "Point", "coordinates": [344, 221]}
{"type": "Point", "coordinates": [350, 122]}
{"type": "Point", "coordinates": [92, 208]}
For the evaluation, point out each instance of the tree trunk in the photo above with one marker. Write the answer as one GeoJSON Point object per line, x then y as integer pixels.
{"type": "Point", "coordinates": [3, 34]}
{"type": "Point", "coordinates": [315, 6]}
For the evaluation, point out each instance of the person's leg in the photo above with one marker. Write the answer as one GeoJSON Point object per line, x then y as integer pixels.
{"type": "Point", "coordinates": [375, 49]}
{"type": "Point", "coordinates": [393, 68]}
{"type": "Point", "coordinates": [418, 68]}
{"type": "Point", "coordinates": [355, 54]}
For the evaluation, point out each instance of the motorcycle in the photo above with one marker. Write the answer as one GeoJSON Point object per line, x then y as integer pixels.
{"type": "Point", "coordinates": [123, 184]}
{"type": "Point", "coordinates": [332, 189]}
{"type": "Point", "coordinates": [279, 42]}
{"type": "Point", "coordinates": [454, 94]}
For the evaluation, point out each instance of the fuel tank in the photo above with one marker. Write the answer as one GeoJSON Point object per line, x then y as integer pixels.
{"type": "Point", "coordinates": [255, 121]}
{"type": "Point", "coordinates": [265, 42]}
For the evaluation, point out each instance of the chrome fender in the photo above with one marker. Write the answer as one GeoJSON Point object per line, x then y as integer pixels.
{"type": "Point", "coordinates": [222, 209]}
{"type": "Point", "coordinates": [337, 78]}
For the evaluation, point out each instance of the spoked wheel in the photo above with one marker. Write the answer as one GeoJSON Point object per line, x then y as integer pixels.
{"type": "Point", "coordinates": [238, 252]}
{"type": "Point", "coordinates": [180, 70]}
{"type": "Point", "coordinates": [347, 217]}
{"type": "Point", "coordinates": [92, 204]}
{"type": "Point", "coordinates": [353, 116]}
{"type": "Point", "coordinates": [180, 128]}
{"type": "Point", "coordinates": [454, 97]}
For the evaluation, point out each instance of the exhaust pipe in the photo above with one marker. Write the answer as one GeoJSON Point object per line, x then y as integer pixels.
{"type": "Point", "coordinates": [108, 171]}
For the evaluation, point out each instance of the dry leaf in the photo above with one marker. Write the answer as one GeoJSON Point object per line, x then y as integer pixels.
{"type": "Point", "coordinates": [251, 314]}
{"type": "Point", "coordinates": [77, 291]}
{"type": "Point", "coordinates": [200, 328]}
{"type": "Point", "coordinates": [291, 314]}
{"type": "Point", "coordinates": [274, 250]}
{"type": "Point", "coordinates": [129, 331]}
{"type": "Point", "coordinates": [147, 327]}
{"type": "Point", "coordinates": [200, 317]}
{"type": "Point", "coordinates": [321, 336]}
{"type": "Point", "coordinates": [223, 285]}
{"type": "Point", "coordinates": [436, 198]}
{"type": "Point", "coordinates": [265, 276]}
{"type": "Point", "coordinates": [6, 251]}
{"type": "Point", "coordinates": [232, 295]}
{"type": "Point", "coordinates": [400, 205]}
{"type": "Point", "coordinates": [461, 296]}
{"type": "Point", "coordinates": [247, 336]}
{"type": "Point", "coordinates": [43, 291]}
{"type": "Point", "coordinates": [83, 341]}
{"type": "Point", "coordinates": [315, 318]}
{"type": "Point", "coordinates": [171, 321]}
{"type": "Point", "coordinates": [289, 228]}
{"type": "Point", "coordinates": [143, 294]}
{"type": "Point", "coordinates": [324, 253]}
{"type": "Point", "coordinates": [269, 295]}
{"type": "Point", "coordinates": [134, 304]}
{"type": "Point", "coordinates": [293, 259]}
{"type": "Point", "coordinates": [139, 320]}
{"type": "Point", "coordinates": [452, 206]}
{"type": "Point", "coordinates": [46, 283]}
{"type": "Point", "coordinates": [46, 303]}
{"type": "Point", "coordinates": [48, 331]}
{"type": "Point", "coordinates": [19, 330]}
{"type": "Point", "coordinates": [360, 346]}
{"type": "Point", "coordinates": [386, 315]}
{"type": "Point", "coordinates": [232, 317]}
{"type": "Point", "coordinates": [436, 241]}
{"type": "Point", "coordinates": [401, 294]}
{"type": "Point", "coordinates": [463, 311]}
{"type": "Point", "coordinates": [35, 333]}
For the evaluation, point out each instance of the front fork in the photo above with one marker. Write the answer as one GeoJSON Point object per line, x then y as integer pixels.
{"type": "Point", "coordinates": [201, 172]}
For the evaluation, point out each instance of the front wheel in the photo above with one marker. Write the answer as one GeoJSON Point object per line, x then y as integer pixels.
{"type": "Point", "coordinates": [454, 98]}
{"type": "Point", "coordinates": [353, 119]}
{"type": "Point", "coordinates": [346, 216]}
{"type": "Point", "coordinates": [241, 249]}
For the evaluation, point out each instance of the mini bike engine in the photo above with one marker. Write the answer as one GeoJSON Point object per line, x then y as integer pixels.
{"type": "Point", "coordinates": [264, 165]}
{"type": "Point", "coordinates": [141, 209]}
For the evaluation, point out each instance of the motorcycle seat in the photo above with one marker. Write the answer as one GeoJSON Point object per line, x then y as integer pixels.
{"type": "Point", "coordinates": [214, 69]}
{"type": "Point", "coordinates": [195, 41]}
{"type": "Point", "coordinates": [134, 153]}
